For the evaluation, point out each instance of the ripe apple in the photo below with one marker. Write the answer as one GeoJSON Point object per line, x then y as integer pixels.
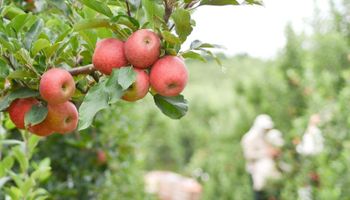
{"type": "Point", "coordinates": [101, 157]}
{"type": "Point", "coordinates": [62, 118]}
{"type": "Point", "coordinates": [18, 110]}
{"type": "Point", "coordinates": [169, 76]}
{"type": "Point", "coordinates": [139, 88]}
{"type": "Point", "coordinates": [57, 86]}
{"type": "Point", "coordinates": [109, 54]}
{"type": "Point", "coordinates": [42, 129]}
{"type": "Point", "coordinates": [142, 48]}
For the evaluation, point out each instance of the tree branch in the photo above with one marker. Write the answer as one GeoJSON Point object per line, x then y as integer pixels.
{"type": "Point", "coordinates": [88, 69]}
{"type": "Point", "coordinates": [128, 7]}
{"type": "Point", "coordinates": [168, 11]}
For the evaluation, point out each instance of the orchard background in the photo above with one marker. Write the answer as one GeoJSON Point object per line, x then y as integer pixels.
{"type": "Point", "coordinates": [119, 142]}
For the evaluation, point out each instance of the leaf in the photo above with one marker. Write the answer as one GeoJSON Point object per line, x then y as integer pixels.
{"type": "Point", "coordinates": [194, 55]}
{"type": "Point", "coordinates": [126, 20]}
{"type": "Point", "coordinates": [95, 100]}
{"type": "Point", "coordinates": [182, 20]}
{"type": "Point", "coordinates": [107, 91]}
{"type": "Point", "coordinates": [19, 93]}
{"type": "Point", "coordinates": [23, 57]}
{"type": "Point", "coordinates": [20, 157]}
{"type": "Point", "coordinates": [36, 115]}
{"type": "Point", "coordinates": [5, 42]}
{"type": "Point", "coordinates": [33, 33]}
{"type": "Point", "coordinates": [219, 2]}
{"type": "Point", "coordinates": [90, 24]}
{"type": "Point", "coordinates": [126, 77]}
{"type": "Point", "coordinates": [20, 21]}
{"type": "Point", "coordinates": [113, 88]}
{"type": "Point", "coordinates": [173, 107]}
{"type": "Point", "coordinates": [98, 6]}
{"type": "Point", "coordinates": [211, 54]}
{"type": "Point", "coordinates": [197, 44]}
{"type": "Point", "coordinates": [39, 45]}
{"type": "Point", "coordinates": [21, 74]}
{"type": "Point", "coordinates": [170, 38]}
{"type": "Point", "coordinates": [152, 10]}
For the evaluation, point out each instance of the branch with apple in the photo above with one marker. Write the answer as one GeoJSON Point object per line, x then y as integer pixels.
{"type": "Point", "coordinates": [127, 49]}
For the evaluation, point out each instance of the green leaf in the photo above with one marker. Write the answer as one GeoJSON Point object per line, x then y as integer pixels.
{"type": "Point", "coordinates": [27, 185]}
{"type": "Point", "coordinates": [170, 38]}
{"type": "Point", "coordinates": [135, 3]}
{"type": "Point", "coordinates": [36, 115]}
{"type": "Point", "coordinates": [126, 77]}
{"type": "Point", "coordinates": [219, 2]}
{"type": "Point", "coordinates": [21, 74]}
{"type": "Point", "coordinates": [173, 107]}
{"type": "Point", "coordinates": [19, 93]}
{"type": "Point", "coordinates": [98, 6]}
{"type": "Point", "coordinates": [182, 20]}
{"type": "Point", "coordinates": [20, 21]}
{"type": "Point", "coordinates": [107, 91]}
{"type": "Point", "coordinates": [91, 23]}
{"type": "Point", "coordinates": [126, 20]}
{"type": "Point", "coordinates": [194, 55]}
{"type": "Point", "coordinates": [152, 10]}
{"type": "Point", "coordinates": [33, 33]}
{"type": "Point", "coordinates": [197, 44]}
{"type": "Point", "coordinates": [95, 100]}
{"type": "Point", "coordinates": [23, 57]}
{"type": "Point", "coordinates": [20, 157]}
{"type": "Point", "coordinates": [5, 42]}
{"type": "Point", "coordinates": [211, 54]}
{"type": "Point", "coordinates": [39, 45]}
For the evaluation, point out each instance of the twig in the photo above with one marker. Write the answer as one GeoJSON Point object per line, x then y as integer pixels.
{"type": "Point", "coordinates": [168, 11]}
{"type": "Point", "coordinates": [128, 7]}
{"type": "Point", "coordinates": [88, 69]}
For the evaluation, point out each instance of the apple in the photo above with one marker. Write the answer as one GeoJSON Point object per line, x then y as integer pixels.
{"type": "Point", "coordinates": [101, 157]}
{"type": "Point", "coordinates": [56, 86]}
{"type": "Point", "coordinates": [42, 129]}
{"type": "Point", "coordinates": [139, 88]}
{"type": "Point", "coordinates": [18, 110]}
{"type": "Point", "coordinates": [169, 76]}
{"type": "Point", "coordinates": [109, 54]}
{"type": "Point", "coordinates": [142, 48]}
{"type": "Point", "coordinates": [62, 118]}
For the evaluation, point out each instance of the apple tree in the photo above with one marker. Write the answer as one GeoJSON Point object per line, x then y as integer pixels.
{"type": "Point", "coordinates": [64, 61]}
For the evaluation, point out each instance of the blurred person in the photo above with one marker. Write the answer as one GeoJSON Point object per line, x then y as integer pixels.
{"type": "Point", "coordinates": [261, 146]}
{"type": "Point", "coordinates": [172, 186]}
{"type": "Point", "coordinates": [312, 141]}
{"type": "Point", "coordinates": [311, 145]}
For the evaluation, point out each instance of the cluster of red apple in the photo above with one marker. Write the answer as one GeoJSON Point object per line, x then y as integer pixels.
{"type": "Point", "coordinates": [166, 76]}
{"type": "Point", "coordinates": [56, 87]}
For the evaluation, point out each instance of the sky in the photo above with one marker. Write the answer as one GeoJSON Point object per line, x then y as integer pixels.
{"type": "Point", "coordinates": [256, 30]}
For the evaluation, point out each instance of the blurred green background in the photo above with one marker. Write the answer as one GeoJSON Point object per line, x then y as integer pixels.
{"type": "Point", "coordinates": [310, 75]}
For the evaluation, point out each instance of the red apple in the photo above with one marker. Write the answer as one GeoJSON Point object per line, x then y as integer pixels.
{"type": "Point", "coordinates": [109, 54]}
{"type": "Point", "coordinates": [42, 129]}
{"type": "Point", "coordinates": [57, 86]}
{"type": "Point", "coordinates": [62, 118]}
{"type": "Point", "coordinates": [18, 110]}
{"type": "Point", "coordinates": [142, 48]}
{"type": "Point", "coordinates": [169, 76]}
{"type": "Point", "coordinates": [101, 157]}
{"type": "Point", "coordinates": [139, 88]}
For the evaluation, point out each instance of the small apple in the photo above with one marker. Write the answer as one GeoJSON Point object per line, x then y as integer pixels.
{"type": "Point", "coordinates": [57, 86]}
{"type": "Point", "coordinates": [139, 88]}
{"type": "Point", "coordinates": [101, 157]}
{"type": "Point", "coordinates": [169, 76]}
{"type": "Point", "coordinates": [109, 54]}
{"type": "Point", "coordinates": [142, 48]}
{"type": "Point", "coordinates": [18, 110]}
{"type": "Point", "coordinates": [62, 118]}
